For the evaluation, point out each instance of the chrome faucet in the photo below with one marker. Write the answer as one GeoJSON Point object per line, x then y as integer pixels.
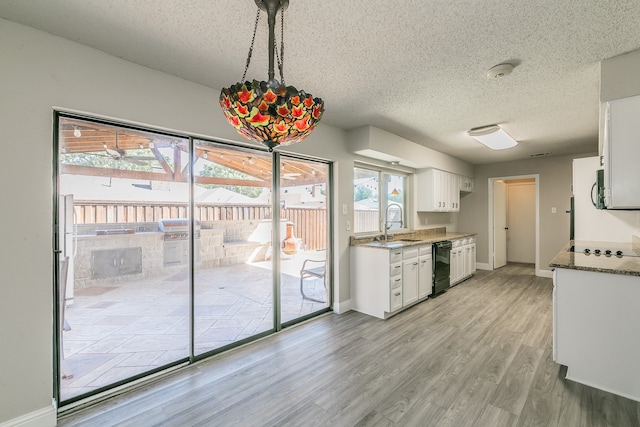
{"type": "Point", "coordinates": [387, 222]}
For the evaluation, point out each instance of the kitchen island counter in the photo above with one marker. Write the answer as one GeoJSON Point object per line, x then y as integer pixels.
{"type": "Point", "coordinates": [625, 265]}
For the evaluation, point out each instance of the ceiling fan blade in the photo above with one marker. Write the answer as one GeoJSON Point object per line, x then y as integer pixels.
{"type": "Point", "coordinates": [141, 157]}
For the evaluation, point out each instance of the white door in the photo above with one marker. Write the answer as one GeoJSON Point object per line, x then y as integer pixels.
{"type": "Point", "coordinates": [499, 224]}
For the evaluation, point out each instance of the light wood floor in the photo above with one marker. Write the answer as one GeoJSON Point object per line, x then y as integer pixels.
{"type": "Point", "coordinates": [479, 355]}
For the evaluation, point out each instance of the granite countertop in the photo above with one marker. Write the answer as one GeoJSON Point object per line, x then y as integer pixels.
{"type": "Point", "coordinates": [626, 265]}
{"type": "Point", "coordinates": [411, 238]}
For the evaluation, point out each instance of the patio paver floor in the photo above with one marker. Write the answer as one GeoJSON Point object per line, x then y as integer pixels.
{"type": "Point", "coordinates": [118, 331]}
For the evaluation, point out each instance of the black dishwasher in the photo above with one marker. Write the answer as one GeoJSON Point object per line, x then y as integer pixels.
{"type": "Point", "coordinates": [441, 267]}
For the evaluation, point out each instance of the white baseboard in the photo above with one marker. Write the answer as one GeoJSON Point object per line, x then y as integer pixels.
{"type": "Point", "coordinates": [483, 266]}
{"type": "Point", "coordinates": [340, 307]}
{"type": "Point", "coordinates": [45, 417]}
{"type": "Point", "coordinates": [545, 273]}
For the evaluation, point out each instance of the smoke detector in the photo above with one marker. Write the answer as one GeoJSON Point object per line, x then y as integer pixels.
{"type": "Point", "coordinates": [500, 70]}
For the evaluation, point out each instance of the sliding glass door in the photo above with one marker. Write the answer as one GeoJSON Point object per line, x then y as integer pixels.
{"type": "Point", "coordinates": [233, 280]}
{"type": "Point", "coordinates": [123, 235]}
{"type": "Point", "coordinates": [304, 225]}
{"type": "Point", "coordinates": [172, 249]}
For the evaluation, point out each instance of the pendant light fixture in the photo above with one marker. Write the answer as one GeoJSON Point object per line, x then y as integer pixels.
{"type": "Point", "coordinates": [270, 112]}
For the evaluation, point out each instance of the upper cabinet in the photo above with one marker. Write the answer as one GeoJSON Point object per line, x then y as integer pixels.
{"type": "Point", "coordinates": [466, 184]}
{"type": "Point", "coordinates": [439, 191]}
{"type": "Point", "coordinates": [621, 152]}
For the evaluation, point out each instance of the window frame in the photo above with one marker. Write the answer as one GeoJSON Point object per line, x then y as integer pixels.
{"type": "Point", "coordinates": [383, 176]}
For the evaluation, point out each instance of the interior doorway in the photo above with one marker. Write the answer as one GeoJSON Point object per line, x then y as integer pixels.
{"type": "Point", "coordinates": [514, 220]}
{"type": "Point", "coordinates": [521, 219]}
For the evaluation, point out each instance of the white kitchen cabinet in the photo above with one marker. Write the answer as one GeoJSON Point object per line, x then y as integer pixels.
{"type": "Point", "coordinates": [409, 275]}
{"type": "Point", "coordinates": [453, 266]}
{"type": "Point", "coordinates": [454, 193]}
{"type": "Point", "coordinates": [621, 153]}
{"type": "Point", "coordinates": [463, 259]}
{"type": "Point", "coordinates": [466, 184]}
{"type": "Point", "coordinates": [596, 329]}
{"type": "Point", "coordinates": [385, 281]}
{"type": "Point", "coordinates": [470, 257]}
{"type": "Point", "coordinates": [376, 278]}
{"type": "Point", "coordinates": [425, 272]}
{"type": "Point", "coordinates": [410, 281]}
{"type": "Point", "coordinates": [438, 191]}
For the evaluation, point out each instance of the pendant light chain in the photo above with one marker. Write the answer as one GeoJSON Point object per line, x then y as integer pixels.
{"type": "Point", "coordinates": [280, 58]}
{"type": "Point", "coordinates": [253, 39]}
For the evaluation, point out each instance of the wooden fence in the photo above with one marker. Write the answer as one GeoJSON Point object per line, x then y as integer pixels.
{"type": "Point", "coordinates": [310, 224]}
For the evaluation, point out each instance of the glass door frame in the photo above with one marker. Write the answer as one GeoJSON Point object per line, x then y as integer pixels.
{"type": "Point", "coordinates": [116, 387]}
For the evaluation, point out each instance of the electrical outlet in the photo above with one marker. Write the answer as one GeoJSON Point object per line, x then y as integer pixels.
{"type": "Point", "coordinates": [553, 210]}
{"type": "Point", "coordinates": [344, 209]}
{"type": "Point", "coordinates": [348, 226]}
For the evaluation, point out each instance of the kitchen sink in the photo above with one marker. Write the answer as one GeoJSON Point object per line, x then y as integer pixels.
{"type": "Point", "coordinates": [392, 244]}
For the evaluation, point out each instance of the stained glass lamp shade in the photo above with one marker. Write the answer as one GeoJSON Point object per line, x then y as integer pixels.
{"type": "Point", "coordinates": [268, 111]}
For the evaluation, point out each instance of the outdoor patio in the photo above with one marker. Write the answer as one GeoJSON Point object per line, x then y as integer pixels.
{"type": "Point", "coordinates": [118, 331]}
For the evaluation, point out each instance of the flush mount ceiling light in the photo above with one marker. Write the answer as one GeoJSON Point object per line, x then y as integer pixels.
{"type": "Point", "coordinates": [499, 71]}
{"type": "Point", "coordinates": [270, 112]}
{"type": "Point", "coordinates": [493, 137]}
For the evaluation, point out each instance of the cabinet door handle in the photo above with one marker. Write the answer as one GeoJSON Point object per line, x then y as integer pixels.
{"type": "Point", "coordinates": [397, 280]}
{"type": "Point", "coordinates": [415, 263]}
{"type": "Point", "coordinates": [397, 294]}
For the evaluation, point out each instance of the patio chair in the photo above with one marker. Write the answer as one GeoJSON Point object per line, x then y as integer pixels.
{"type": "Point", "coordinates": [314, 270]}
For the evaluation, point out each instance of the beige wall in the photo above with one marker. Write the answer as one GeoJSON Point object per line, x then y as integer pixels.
{"type": "Point", "coordinates": [555, 191]}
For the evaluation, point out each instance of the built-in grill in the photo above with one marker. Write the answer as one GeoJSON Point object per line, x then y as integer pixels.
{"type": "Point", "coordinates": [176, 240]}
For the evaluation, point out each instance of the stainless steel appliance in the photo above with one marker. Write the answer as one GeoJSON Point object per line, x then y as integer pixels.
{"type": "Point", "coordinates": [176, 240]}
{"type": "Point", "coordinates": [441, 254]}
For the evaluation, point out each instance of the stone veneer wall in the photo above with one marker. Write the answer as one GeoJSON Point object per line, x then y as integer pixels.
{"type": "Point", "coordinates": [221, 243]}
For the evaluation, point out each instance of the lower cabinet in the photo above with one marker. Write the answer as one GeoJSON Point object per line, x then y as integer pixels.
{"type": "Point", "coordinates": [385, 281]}
{"type": "Point", "coordinates": [463, 259]}
{"type": "Point", "coordinates": [409, 275]}
{"type": "Point", "coordinates": [425, 275]}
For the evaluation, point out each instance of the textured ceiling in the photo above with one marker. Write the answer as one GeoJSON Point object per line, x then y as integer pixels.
{"type": "Point", "coordinates": [416, 68]}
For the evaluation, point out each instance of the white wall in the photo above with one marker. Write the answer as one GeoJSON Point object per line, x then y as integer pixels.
{"type": "Point", "coordinates": [40, 72]}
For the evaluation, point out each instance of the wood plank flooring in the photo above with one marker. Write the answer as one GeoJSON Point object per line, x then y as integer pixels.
{"type": "Point", "coordinates": [479, 355]}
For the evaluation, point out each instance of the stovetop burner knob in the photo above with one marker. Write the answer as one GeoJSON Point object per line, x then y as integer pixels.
{"type": "Point", "coordinates": [587, 251]}
{"type": "Point", "coordinates": [597, 251]}
{"type": "Point", "coordinates": [618, 253]}
{"type": "Point", "coordinates": [607, 252]}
